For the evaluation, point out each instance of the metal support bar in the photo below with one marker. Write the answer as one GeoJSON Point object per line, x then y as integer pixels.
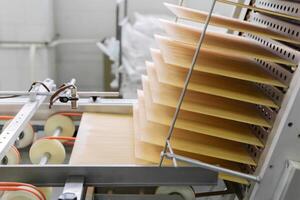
{"type": "Point", "coordinates": [213, 193]}
{"type": "Point", "coordinates": [102, 176]}
{"type": "Point", "coordinates": [119, 28]}
{"type": "Point", "coordinates": [44, 93]}
{"type": "Point", "coordinates": [10, 134]}
{"type": "Point", "coordinates": [214, 167]}
{"type": "Point", "coordinates": [187, 81]}
{"type": "Point", "coordinates": [74, 189]}
{"type": "Point", "coordinates": [171, 151]}
{"type": "Point", "coordinates": [180, 3]}
{"type": "Point", "coordinates": [137, 197]}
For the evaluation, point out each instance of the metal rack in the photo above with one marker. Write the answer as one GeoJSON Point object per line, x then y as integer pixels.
{"type": "Point", "coordinates": [281, 97]}
{"type": "Point", "coordinates": [168, 151]}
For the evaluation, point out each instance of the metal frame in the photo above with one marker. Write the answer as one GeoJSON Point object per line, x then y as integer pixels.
{"type": "Point", "coordinates": [103, 175]}
{"type": "Point", "coordinates": [282, 144]}
{"type": "Point", "coordinates": [10, 134]}
{"type": "Point", "coordinates": [168, 151]}
{"type": "Point", "coordinates": [119, 28]}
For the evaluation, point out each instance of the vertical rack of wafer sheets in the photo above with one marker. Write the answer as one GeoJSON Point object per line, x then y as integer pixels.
{"type": "Point", "coordinates": [227, 117]}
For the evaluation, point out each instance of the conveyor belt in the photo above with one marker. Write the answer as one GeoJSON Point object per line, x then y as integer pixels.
{"type": "Point", "coordinates": [104, 139]}
{"type": "Point", "coordinates": [224, 43]}
{"type": "Point", "coordinates": [227, 22]}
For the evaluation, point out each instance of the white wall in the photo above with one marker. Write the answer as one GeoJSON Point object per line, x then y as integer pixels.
{"type": "Point", "coordinates": [15, 67]}
{"type": "Point", "coordinates": [26, 21]}
{"type": "Point", "coordinates": [32, 20]}
{"type": "Point", "coordinates": [96, 19]}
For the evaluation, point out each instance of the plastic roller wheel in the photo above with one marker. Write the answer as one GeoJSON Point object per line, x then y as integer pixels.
{"type": "Point", "coordinates": [47, 191]}
{"type": "Point", "coordinates": [59, 121]}
{"type": "Point", "coordinates": [53, 147]}
{"type": "Point", "coordinates": [25, 138]}
{"type": "Point", "coordinates": [21, 194]}
{"type": "Point", "coordinates": [185, 192]}
{"type": "Point", "coordinates": [12, 157]}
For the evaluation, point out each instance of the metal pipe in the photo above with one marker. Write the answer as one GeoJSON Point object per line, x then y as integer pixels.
{"type": "Point", "coordinates": [171, 151]}
{"type": "Point", "coordinates": [32, 56]}
{"type": "Point", "coordinates": [81, 94]}
{"type": "Point", "coordinates": [213, 167]}
{"type": "Point", "coordinates": [53, 43]}
{"type": "Point", "coordinates": [197, 53]}
{"type": "Point", "coordinates": [180, 4]}
{"type": "Point", "coordinates": [44, 159]}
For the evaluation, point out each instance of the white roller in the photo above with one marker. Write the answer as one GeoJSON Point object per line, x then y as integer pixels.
{"type": "Point", "coordinates": [12, 157]}
{"type": "Point", "coordinates": [21, 195]}
{"type": "Point", "coordinates": [25, 138]}
{"type": "Point", "coordinates": [47, 191]}
{"type": "Point", "coordinates": [59, 121]}
{"type": "Point", "coordinates": [43, 147]}
{"type": "Point", "coordinates": [186, 192]}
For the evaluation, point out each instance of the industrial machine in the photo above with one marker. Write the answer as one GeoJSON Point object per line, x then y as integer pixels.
{"type": "Point", "coordinates": [214, 106]}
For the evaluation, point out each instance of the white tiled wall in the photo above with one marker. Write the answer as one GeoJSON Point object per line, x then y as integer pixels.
{"type": "Point", "coordinates": [40, 20]}
{"type": "Point", "coordinates": [24, 21]}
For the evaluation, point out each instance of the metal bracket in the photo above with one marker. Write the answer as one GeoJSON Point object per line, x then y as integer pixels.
{"type": "Point", "coordinates": [74, 189]}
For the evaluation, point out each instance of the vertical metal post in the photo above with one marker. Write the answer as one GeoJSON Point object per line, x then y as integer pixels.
{"type": "Point", "coordinates": [189, 75]}
{"type": "Point", "coordinates": [180, 4]}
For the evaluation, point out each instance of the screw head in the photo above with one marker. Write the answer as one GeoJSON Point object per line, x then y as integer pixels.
{"type": "Point", "coordinates": [290, 124]}
{"type": "Point", "coordinates": [67, 196]}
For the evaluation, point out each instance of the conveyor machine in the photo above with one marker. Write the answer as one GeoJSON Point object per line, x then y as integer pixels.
{"type": "Point", "coordinates": [214, 108]}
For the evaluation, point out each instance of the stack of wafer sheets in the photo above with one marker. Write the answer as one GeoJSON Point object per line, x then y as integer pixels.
{"type": "Point", "coordinates": [222, 99]}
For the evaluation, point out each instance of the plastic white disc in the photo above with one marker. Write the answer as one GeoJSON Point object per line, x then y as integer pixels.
{"type": "Point", "coordinates": [186, 192]}
{"type": "Point", "coordinates": [12, 157]}
{"type": "Point", "coordinates": [25, 138]}
{"type": "Point", "coordinates": [43, 146]}
{"type": "Point", "coordinates": [59, 121]}
{"type": "Point", "coordinates": [20, 195]}
{"type": "Point", "coordinates": [47, 191]}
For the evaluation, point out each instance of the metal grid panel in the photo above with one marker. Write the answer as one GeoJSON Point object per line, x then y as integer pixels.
{"type": "Point", "coordinates": [282, 27]}
{"type": "Point", "coordinates": [284, 75]}
{"type": "Point", "coordinates": [286, 7]}
{"type": "Point", "coordinates": [277, 48]}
